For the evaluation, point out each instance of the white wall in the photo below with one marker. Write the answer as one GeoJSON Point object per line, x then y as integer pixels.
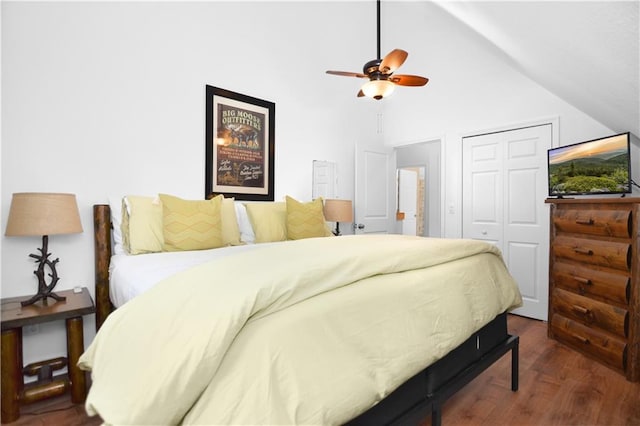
{"type": "Point", "coordinates": [102, 99]}
{"type": "Point", "coordinates": [471, 90]}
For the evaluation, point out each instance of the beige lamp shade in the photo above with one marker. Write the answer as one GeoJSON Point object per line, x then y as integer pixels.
{"type": "Point", "coordinates": [338, 210]}
{"type": "Point", "coordinates": [34, 213]}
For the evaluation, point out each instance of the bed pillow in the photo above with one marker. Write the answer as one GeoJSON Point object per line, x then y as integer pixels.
{"type": "Point", "coordinates": [230, 229]}
{"type": "Point", "coordinates": [191, 224]}
{"type": "Point", "coordinates": [115, 205]}
{"type": "Point", "coordinates": [268, 220]}
{"type": "Point", "coordinates": [305, 220]}
{"type": "Point", "coordinates": [142, 230]}
{"type": "Point", "coordinates": [244, 224]}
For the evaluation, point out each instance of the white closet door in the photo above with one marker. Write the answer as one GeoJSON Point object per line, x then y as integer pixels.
{"type": "Point", "coordinates": [504, 189]}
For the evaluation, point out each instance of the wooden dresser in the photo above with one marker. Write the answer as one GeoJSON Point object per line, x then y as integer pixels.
{"type": "Point", "coordinates": [594, 279]}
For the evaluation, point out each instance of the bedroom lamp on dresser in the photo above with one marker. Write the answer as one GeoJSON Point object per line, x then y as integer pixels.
{"type": "Point", "coordinates": [594, 279]}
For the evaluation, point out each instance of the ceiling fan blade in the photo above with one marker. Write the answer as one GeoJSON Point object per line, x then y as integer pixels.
{"type": "Point", "coordinates": [408, 80]}
{"type": "Point", "coordinates": [360, 94]}
{"type": "Point", "coordinates": [392, 61]}
{"type": "Point", "coordinates": [347, 74]}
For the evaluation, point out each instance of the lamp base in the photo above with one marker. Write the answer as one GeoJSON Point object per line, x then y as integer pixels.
{"type": "Point", "coordinates": [43, 297]}
{"type": "Point", "coordinates": [336, 231]}
{"type": "Point", "coordinates": [44, 290]}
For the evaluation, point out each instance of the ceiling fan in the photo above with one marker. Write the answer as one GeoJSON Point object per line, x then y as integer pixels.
{"type": "Point", "coordinates": [382, 81]}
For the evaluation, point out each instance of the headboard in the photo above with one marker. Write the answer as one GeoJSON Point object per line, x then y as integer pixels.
{"type": "Point", "coordinates": [102, 246]}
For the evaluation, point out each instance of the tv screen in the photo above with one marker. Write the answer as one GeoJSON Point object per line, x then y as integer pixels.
{"type": "Point", "coordinates": [599, 166]}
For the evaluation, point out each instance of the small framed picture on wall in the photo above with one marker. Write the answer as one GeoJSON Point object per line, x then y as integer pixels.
{"type": "Point", "coordinates": [240, 146]}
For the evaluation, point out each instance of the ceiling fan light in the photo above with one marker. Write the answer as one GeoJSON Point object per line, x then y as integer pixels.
{"type": "Point", "coordinates": [378, 89]}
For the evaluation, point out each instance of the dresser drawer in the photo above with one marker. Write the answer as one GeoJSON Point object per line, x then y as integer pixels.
{"type": "Point", "coordinates": [591, 312]}
{"type": "Point", "coordinates": [591, 282]}
{"type": "Point", "coordinates": [600, 345]}
{"type": "Point", "coordinates": [610, 223]}
{"type": "Point", "coordinates": [595, 252]}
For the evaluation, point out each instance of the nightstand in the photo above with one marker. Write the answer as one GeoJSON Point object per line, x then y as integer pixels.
{"type": "Point", "coordinates": [15, 316]}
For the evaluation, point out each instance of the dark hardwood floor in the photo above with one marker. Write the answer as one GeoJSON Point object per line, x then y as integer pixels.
{"type": "Point", "coordinates": [557, 387]}
{"type": "Point", "coordinates": [55, 411]}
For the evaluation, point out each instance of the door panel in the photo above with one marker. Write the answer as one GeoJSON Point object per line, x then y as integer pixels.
{"type": "Point", "coordinates": [324, 180]}
{"type": "Point", "coordinates": [483, 188]}
{"type": "Point", "coordinates": [522, 261]}
{"type": "Point", "coordinates": [521, 207]}
{"type": "Point", "coordinates": [485, 212]}
{"type": "Point", "coordinates": [504, 188]}
{"type": "Point", "coordinates": [374, 190]}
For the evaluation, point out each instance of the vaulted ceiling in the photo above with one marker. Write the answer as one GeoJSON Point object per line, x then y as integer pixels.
{"type": "Point", "coordinates": [585, 52]}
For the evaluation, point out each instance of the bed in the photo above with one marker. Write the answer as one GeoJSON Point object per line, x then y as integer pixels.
{"type": "Point", "coordinates": [347, 332]}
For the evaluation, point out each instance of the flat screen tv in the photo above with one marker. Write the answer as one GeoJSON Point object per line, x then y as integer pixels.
{"type": "Point", "coordinates": [599, 166]}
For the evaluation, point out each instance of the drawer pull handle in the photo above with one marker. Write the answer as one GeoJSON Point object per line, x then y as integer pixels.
{"type": "Point", "coordinates": [585, 281]}
{"type": "Point", "coordinates": [584, 222]}
{"type": "Point", "coordinates": [581, 310]}
{"type": "Point", "coordinates": [580, 250]}
{"type": "Point", "coordinates": [581, 339]}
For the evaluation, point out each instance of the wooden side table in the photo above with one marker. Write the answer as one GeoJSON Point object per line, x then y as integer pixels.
{"type": "Point", "coordinates": [15, 316]}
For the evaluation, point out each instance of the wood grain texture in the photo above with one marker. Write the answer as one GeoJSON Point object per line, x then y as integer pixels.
{"type": "Point", "coordinates": [611, 223]}
{"type": "Point", "coordinates": [601, 346]}
{"type": "Point", "coordinates": [594, 279]}
{"type": "Point", "coordinates": [609, 287]}
{"type": "Point", "coordinates": [634, 302]}
{"type": "Point", "coordinates": [609, 254]}
{"type": "Point", "coordinates": [591, 312]}
{"type": "Point", "coordinates": [102, 247]}
{"type": "Point", "coordinates": [75, 304]}
{"type": "Point", "coordinates": [12, 384]}
{"type": "Point", "coordinates": [558, 386]}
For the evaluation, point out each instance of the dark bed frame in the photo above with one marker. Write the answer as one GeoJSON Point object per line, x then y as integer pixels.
{"type": "Point", "coordinates": [411, 403]}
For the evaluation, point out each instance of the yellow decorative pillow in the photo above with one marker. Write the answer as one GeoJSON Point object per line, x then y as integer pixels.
{"type": "Point", "coordinates": [269, 221]}
{"type": "Point", "coordinates": [230, 229]}
{"type": "Point", "coordinates": [142, 224]}
{"type": "Point", "coordinates": [305, 220]}
{"type": "Point", "coordinates": [191, 224]}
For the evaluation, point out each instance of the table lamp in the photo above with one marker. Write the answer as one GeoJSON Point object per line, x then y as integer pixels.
{"type": "Point", "coordinates": [43, 214]}
{"type": "Point", "coordinates": [338, 211]}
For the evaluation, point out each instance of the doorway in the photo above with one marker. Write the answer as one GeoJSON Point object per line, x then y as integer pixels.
{"type": "Point", "coordinates": [411, 200]}
{"type": "Point", "coordinates": [422, 157]}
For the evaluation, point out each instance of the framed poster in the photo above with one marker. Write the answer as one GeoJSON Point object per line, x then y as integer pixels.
{"type": "Point", "coordinates": [240, 146]}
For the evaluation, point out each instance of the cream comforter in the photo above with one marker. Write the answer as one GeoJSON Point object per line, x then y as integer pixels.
{"type": "Point", "coordinates": [305, 332]}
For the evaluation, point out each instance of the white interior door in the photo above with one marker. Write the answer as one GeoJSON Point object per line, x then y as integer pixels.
{"type": "Point", "coordinates": [374, 189]}
{"type": "Point", "coordinates": [324, 180]}
{"type": "Point", "coordinates": [408, 200]}
{"type": "Point", "coordinates": [504, 188]}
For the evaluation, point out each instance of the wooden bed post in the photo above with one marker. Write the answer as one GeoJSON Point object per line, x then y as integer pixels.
{"type": "Point", "coordinates": [102, 246]}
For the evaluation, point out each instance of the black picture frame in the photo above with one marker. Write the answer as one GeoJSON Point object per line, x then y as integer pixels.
{"type": "Point", "coordinates": [240, 146]}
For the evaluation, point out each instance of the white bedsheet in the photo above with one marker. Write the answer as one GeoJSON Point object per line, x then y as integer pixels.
{"type": "Point", "coordinates": [132, 275]}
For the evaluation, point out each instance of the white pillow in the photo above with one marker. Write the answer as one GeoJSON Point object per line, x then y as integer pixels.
{"type": "Point", "coordinates": [244, 224]}
{"type": "Point", "coordinates": [115, 203]}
